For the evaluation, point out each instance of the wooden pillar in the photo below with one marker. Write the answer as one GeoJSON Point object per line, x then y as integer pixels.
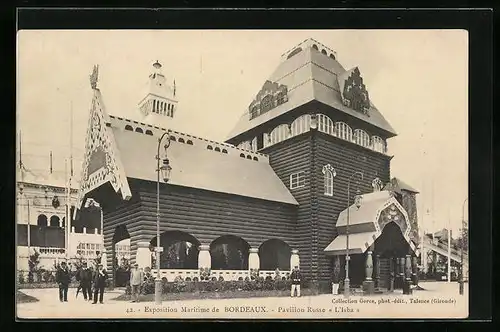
{"type": "Point", "coordinates": [336, 275]}
{"type": "Point", "coordinates": [369, 265]}
{"type": "Point", "coordinates": [392, 274]}
{"type": "Point", "coordinates": [368, 285]}
{"type": "Point", "coordinates": [401, 271]}
{"type": "Point", "coordinates": [376, 267]}
{"type": "Point", "coordinates": [414, 270]}
{"type": "Point", "coordinates": [407, 275]}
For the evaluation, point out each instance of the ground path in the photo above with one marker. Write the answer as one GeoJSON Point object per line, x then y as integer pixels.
{"type": "Point", "coordinates": [438, 300]}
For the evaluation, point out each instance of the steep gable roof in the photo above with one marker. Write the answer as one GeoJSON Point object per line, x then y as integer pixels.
{"type": "Point", "coordinates": [310, 75]}
{"type": "Point", "coordinates": [195, 166]}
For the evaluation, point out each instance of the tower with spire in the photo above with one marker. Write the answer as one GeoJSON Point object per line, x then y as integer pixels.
{"type": "Point", "coordinates": [159, 101]}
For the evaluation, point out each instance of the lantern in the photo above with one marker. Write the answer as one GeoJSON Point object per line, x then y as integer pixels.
{"type": "Point", "coordinates": [165, 170]}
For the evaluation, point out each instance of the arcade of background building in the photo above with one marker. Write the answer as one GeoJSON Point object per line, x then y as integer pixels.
{"type": "Point", "coordinates": [272, 196]}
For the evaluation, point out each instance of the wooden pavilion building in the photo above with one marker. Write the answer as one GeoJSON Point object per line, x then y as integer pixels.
{"type": "Point", "coordinates": [273, 196]}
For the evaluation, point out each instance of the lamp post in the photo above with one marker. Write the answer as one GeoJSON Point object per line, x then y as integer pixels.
{"type": "Point", "coordinates": [347, 258]}
{"type": "Point", "coordinates": [165, 169]}
{"type": "Point", "coordinates": [461, 281]}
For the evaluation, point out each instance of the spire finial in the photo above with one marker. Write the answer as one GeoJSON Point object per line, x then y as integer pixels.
{"type": "Point", "coordinates": [157, 64]}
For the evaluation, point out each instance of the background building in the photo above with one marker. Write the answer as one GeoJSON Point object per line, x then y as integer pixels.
{"type": "Point", "coordinates": [42, 199]}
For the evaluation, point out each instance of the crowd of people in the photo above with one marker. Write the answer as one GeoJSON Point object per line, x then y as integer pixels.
{"type": "Point", "coordinates": [92, 283]}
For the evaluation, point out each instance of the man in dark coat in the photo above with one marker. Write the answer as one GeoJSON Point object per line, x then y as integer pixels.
{"type": "Point", "coordinates": [63, 279]}
{"type": "Point", "coordinates": [295, 277]}
{"type": "Point", "coordinates": [100, 277]}
{"type": "Point", "coordinates": [85, 276]}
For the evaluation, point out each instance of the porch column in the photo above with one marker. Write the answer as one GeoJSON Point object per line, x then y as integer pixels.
{"type": "Point", "coordinates": [204, 258]}
{"type": "Point", "coordinates": [143, 255]}
{"type": "Point", "coordinates": [294, 259]}
{"type": "Point", "coordinates": [414, 274]}
{"type": "Point", "coordinates": [204, 262]}
{"type": "Point", "coordinates": [368, 286]}
{"type": "Point", "coordinates": [377, 271]}
{"type": "Point", "coordinates": [407, 275]}
{"type": "Point", "coordinates": [402, 270]}
{"type": "Point", "coordinates": [336, 275]}
{"type": "Point", "coordinates": [253, 259]}
{"type": "Point", "coordinates": [391, 274]}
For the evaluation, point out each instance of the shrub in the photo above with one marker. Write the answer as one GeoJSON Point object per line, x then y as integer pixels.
{"type": "Point", "coordinates": [20, 278]}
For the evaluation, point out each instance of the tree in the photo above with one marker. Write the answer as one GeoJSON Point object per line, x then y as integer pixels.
{"type": "Point", "coordinates": [33, 264]}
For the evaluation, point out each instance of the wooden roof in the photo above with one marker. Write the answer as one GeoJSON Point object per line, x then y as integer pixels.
{"type": "Point", "coordinates": [310, 75]}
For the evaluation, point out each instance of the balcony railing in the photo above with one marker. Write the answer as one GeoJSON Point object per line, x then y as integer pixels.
{"type": "Point", "coordinates": [227, 275]}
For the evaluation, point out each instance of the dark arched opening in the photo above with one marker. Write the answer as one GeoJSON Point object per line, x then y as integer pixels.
{"type": "Point", "coordinates": [129, 127]}
{"type": "Point", "coordinates": [54, 221]}
{"type": "Point", "coordinates": [149, 132]}
{"type": "Point", "coordinates": [121, 268]}
{"type": "Point", "coordinates": [42, 220]}
{"type": "Point", "coordinates": [139, 130]}
{"type": "Point", "coordinates": [181, 140]}
{"type": "Point", "coordinates": [217, 149]}
{"type": "Point", "coordinates": [275, 254]}
{"type": "Point", "coordinates": [229, 252]}
{"type": "Point", "coordinates": [180, 250]}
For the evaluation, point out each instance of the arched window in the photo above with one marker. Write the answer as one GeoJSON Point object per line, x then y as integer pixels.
{"type": "Point", "coordinates": [378, 144]}
{"type": "Point", "coordinates": [180, 140]}
{"type": "Point", "coordinates": [189, 142]}
{"type": "Point", "coordinates": [332, 56]}
{"type": "Point", "coordinates": [224, 151]}
{"type": "Point", "coordinates": [217, 149]}
{"type": "Point", "coordinates": [172, 138]}
{"type": "Point", "coordinates": [255, 158]}
{"type": "Point", "coordinates": [209, 147]}
{"type": "Point", "coordinates": [280, 133]}
{"type": "Point", "coordinates": [301, 125]}
{"type": "Point", "coordinates": [242, 155]}
{"type": "Point", "coordinates": [362, 138]}
{"type": "Point", "coordinates": [249, 157]}
{"type": "Point", "coordinates": [54, 221]}
{"type": "Point", "coordinates": [139, 130]}
{"type": "Point", "coordinates": [342, 130]}
{"type": "Point", "coordinates": [149, 132]}
{"type": "Point", "coordinates": [42, 220]}
{"type": "Point", "coordinates": [315, 47]}
{"type": "Point", "coordinates": [129, 127]}
{"type": "Point", "coordinates": [329, 173]}
{"type": "Point", "coordinates": [324, 52]}
{"type": "Point", "coordinates": [325, 124]}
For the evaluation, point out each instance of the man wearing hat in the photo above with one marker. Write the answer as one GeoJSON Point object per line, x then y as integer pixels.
{"type": "Point", "coordinates": [63, 278]}
{"type": "Point", "coordinates": [295, 277]}
{"type": "Point", "coordinates": [136, 278]}
{"type": "Point", "coordinates": [100, 277]}
{"type": "Point", "coordinates": [86, 281]}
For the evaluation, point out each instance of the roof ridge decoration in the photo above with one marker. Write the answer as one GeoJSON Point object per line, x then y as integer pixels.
{"type": "Point", "coordinates": [270, 96]}
{"type": "Point", "coordinates": [102, 161]}
{"type": "Point", "coordinates": [353, 91]}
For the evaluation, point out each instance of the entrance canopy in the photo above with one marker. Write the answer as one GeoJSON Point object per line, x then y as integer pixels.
{"type": "Point", "coordinates": [367, 222]}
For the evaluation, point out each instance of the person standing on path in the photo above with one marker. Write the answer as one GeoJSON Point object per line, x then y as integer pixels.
{"type": "Point", "coordinates": [136, 278]}
{"type": "Point", "coordinates": [86, 282]}
{"type": "Point", "coordinates": [295, 277]}
{"type": "Point", "coordinates": [63, 279]}
{"type": "Point", "coordinates": [100, 277]}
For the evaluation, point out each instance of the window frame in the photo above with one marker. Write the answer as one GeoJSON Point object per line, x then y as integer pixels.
{"type": "Point", "coordinates": [329, 174]}
{"type": "Point", "coordinates": [298, 180]}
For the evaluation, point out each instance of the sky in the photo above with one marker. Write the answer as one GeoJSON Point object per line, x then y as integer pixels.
{"type": "Point", "coordinates": [418, 79]}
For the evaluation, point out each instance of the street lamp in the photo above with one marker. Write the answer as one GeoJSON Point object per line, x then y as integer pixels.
{"type": "Point", "coordinates": [358, 205]}
{"type": "Point", "coordinates": [461, 281]}
{"type": "Point", "coordinates": [165, 171]}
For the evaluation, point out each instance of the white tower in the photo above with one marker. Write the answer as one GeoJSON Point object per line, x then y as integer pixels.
{"type": "Point", "coordinates": [159, 102]}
